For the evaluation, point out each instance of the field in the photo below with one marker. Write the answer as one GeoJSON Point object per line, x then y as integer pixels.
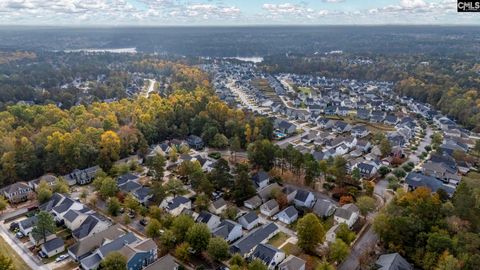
{"type": "Point", "coordinates": [6, 250]}
{"type": "Point", "coordinates": [278, 239]}
{"type": "Point", "coordinates": [305, 90]}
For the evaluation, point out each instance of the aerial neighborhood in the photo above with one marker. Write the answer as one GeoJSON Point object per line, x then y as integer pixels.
{"type": "Point", "coordinates": [315, 165]}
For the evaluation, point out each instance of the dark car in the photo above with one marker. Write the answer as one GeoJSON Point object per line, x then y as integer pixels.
{"type": "Point", "coordinates": [143, 222]}
{"type": "Point", "coordinates": [14, 226]}
{"type": "Point", "coordinates": [42, 254]}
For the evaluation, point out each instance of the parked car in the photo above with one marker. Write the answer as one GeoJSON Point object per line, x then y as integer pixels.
{"type": "Point", "coordinates": [61, 258]}
{"type": "Point", "coordinates": [19, 235]}
{"type": "Point", "coordinates": [14, 226]}
{"type": "Point", "coordinates": [143, 222]}
{"type": "Point", "coordinates": [215, 155]}
{"type": "Point", "coordinates": [131, 214]}
{"type": "Point", "coordinates": [42, 254]}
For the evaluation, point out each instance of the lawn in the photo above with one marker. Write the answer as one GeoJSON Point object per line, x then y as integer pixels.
{"type": "Point", "coordinates": [472, 179]}
{"type": "Point", "coordinates": [6, 250]}
{"type": "Point", "coordinates": [305, 90]}
{"type": "Point", "coordinates": [327, 223]}
{"type": "Point", "coordinates": [278, 239]}
{"type": "Point", "coordinates": [70, 265]}
{"type": "Point", "coordinates": [291, 249]}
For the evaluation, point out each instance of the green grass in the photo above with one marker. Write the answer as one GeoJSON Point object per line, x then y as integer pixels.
{"type": "Point", "coordinates": [278, 239]}
{"type": "Point", "coordinates": [327, 223]}
{"type": "Point", "coordinates": [305, 90]}
{"type": "Point", "coordinates": [291, 249]}
{"type": "Point", "coordinates": [6, 250]}
{"type": "Point", "coordinates": [472, 179]}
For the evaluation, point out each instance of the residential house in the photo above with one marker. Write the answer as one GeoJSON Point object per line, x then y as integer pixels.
{"type": "Point", "coordinates": [212, 221]}
{"type": "Point", "coordinates": [53, 247]}
{"type": "Point", "coordinates": [253, 203]}
{"type": "Point", "coordinates": [341, 127]}
{"type": "Point", "coordinates": [195, 142]}
{"type": "Point", "coordinates": [285, 127]}
{"type": "Point", "coordinates": [324, 208]}
{"type": "Point", "coordinates": [304, 198]}
{"type": "Point", "coordinates": [160, 149]}
{"type": "Point", "coordinates": [363, 145]}
{"type": "Point", "coordinates": [359, 131]}
{"type": "Point", "coordinates": [292, 263]}
{"type": "Point", "coordinates": [228, 230]}
{"type": "Point", "coordinates": [347, 214]}
{"type": "Point", "coordinates": [17, 192]}
{"type": "Point", "coordinates": [143, 195]}
{"type": "Point", "coordinates": [86, 246]}
{"type": "Point", "coordinates": [247, 243]}
{"type": "Point", "coordinates": [290, 192]}
{"type": "Point", "coordinates": [249, 220]}
{"type": "Point", "coordinates": [81, 177]}
{"type": "Point", "coordinates": [167, 262]}
{"type": "Point", "coordinates": [441, 171]}
{"type": "Point", "coordinates": [266, 192]}
{"type": "Point", "coordinates": [26, 226]}
{"type": "Point", "coordinates": [390, 120]}
{"type": "Point", "coordinates": [94, 223]}
{"type": "Point", "coordinates": [38, 239]}
{"type": "Point", "coordinates": [139, 253]}
{"type": "Point", "coordinates": [415, 180]}
{"type": "Point", "coordinates": [288, 215]}
{"type": "Point", "coordinates": [50, 179]}
{"type": "Point", "coordinates": [363, 114]}
{"type": "Point", "coordinates": [269, 255]}
{"type": "Point", "coordinates": [176, 205]}
{"type": "Point", "coordinates": [260, 179]}
{"type": "Point", "coordinates": [367, 170]}
{"type": "Point", "coordinates": [218, 206]}
{"type": "Point", "coordinates": [392, 261]}
{"type": "Point", "coordinates": [269, 208]}
{"type": "Point", "coordinates": [325, 123]}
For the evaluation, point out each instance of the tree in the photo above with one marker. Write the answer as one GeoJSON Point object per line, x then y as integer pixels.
{"type": "Point", "coordinates": [399, 173]}
{"type": "Point", "coordinates": [257, 265]}
{"type": "Point", "coordinates": [448, 262]}
{"type": "Point", "coordinates": [385, 147]}
{"type": "Point", "coordinates": [130, 202]}
{"type": "Point", "coordinates": [105, 185]}
{"type": "Point", "coordinates": [44, 193]}
{"type": "Point", "coordinates": [325, 266]}
{"type": "Point", "coordinates": [366, 204]}
{"type": "Point", "coordinates": [262, 154]}
{"type": "Point", "coordinates": [198, 237]}
{"type": "Point", "coordinates": [237, 260]}
{"type": "Point", "coordinates": [61, 186]}
{"type": "Point", "coordinates": [6, 263]}
{"type": "Point", "coordinates": [338, 251]}
{"type": "Point", "coordinates": [219, 141]}
{"type": "Point", "coordinates": [156, 166]}
{"type": "Point", "coordinates": [437, 139]}
{"type": "Point", "coordinates": [356, 174]}
{"type": "Point", "coordinates": [243, 187]}
{"type": "Point", "coordinates": [168, 240]}
{"type": "Point", "coordinates": [3, 203]}
{"type": "Point", "coordinates": [113, 206]}
{"type": "Point", "coordinates": [236, 146]}
{"type": "Point", "coordinates": [220, 175]}
{"type": "Point", "coordinates": [174, 187]}
{"type": "Point", "coordinates": [218, 249]}
{"type": "Point", "coordinates": [114, 261]}
{"type": "Point", "coordinates": [158, 192]}
{"type": "Point", "coordinates": [202, 202]}
{"type": "Point", "coordinates": [344, 233]}
{"type": "Point", "coordinates": [45, 225]}
{"type": "Point", "coordinates": [153, 229]}
{"type": "Point", "coordinates": [384, 171]}
{"type": "Point", "coordinates": [173, 155]}
{"type": "Point", "coordinates": [109, 149]}
{"type": "Point", "coordinates": [182, 252]}
{"type": "Point", "coordinates": [310, 232]}
{"type": "Point", "coordinates": [180, 226]}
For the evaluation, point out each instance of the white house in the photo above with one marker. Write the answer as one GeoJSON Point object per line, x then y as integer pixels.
{"type": "Point", "coordinates": [288, 215]}
{"type": "Point", "coordinates": [218, 206]}
{"type": "Point", "coordinates": [228, 230]}
{"type": "Point", "coordinates": [53, 247]}
{"type": "Point", "coordinates": [292, 263]}
{"type": "Point", "coordinates": [176, 205]}
{"type": "Point", "coordinates": [212, 221]}
{"type": "Point", "coordinates": [269, 208]}
{"type": "Point", "coordinates": [304, 198]}
{"type": "Point", "coordinates": [26, 226]}
{"type": "Point", "coordinates": [347, 214]}
{"type": "Point", "coordinates": [260, 179]}
{"type": "Point", "coordinates": [253, 203]}
{"type": "Point", "coordinates": [269, 255]}
{"type": "Point", "coordinates": [249, 220]}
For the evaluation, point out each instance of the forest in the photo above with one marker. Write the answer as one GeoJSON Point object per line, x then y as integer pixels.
{"type": "Point", "coordinates": [40, 139]}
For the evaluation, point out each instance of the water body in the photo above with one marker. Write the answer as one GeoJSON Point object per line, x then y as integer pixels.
{"type": "Point", "coordinates": [247, 59]}
{"type": "Point", "coordinates": [118, 50]}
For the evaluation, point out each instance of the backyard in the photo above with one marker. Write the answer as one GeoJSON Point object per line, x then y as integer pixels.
{"type": "Point", "coordinates": [7, 251]}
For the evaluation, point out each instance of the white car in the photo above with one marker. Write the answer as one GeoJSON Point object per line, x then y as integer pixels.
{"type": "Point", "coordinates": [61, 258]}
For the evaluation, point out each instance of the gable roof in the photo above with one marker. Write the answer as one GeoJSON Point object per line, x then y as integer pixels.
{"type": "Point", "coordinates": [86, 245]}
{"type": "Point", "coordinates": [248, 242]}
{"type": "Point", "coordinates": [302, 195]}
{"type": "Point", "coordinates": [53, 244]}
{"type": "Point", "coordinates": [122, 179]}
{"type": "Point", "coordinates": [249, 217]}
{"type": "Point", "coordinates": [167, 262]}
{"type": "Point", "coordinates": [291, 263]}
{"type": "Point", "coordinates": [392, 261]}
{"type": "Point", "coordinates": [290, 212]}
{"type": "Point", "coordinates": [420, 180]}
{"type": "Point", "coordinates": [322, 207]}
{"type": "Point", "coordinates": [265, 253]}
{"type": "Point", "coordinates": [225, 227]}
{"type": "Point", "coordinates": [176, 202]}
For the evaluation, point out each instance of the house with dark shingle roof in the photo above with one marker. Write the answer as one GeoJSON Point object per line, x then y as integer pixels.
{"type": "Point", "coordinates": [269, 255]}
{"type": "Point", "coordinates": [324, 208]}
{"type": "Point", "coordinates": [249, 220]}
{"type": "Point", "coordinates": [176, 205]}
{"type": "Point", "coordinates": [228, 230]}
{"type": "Point", "coordinates": [304, 198]}
{"type": "Point", "coordinates": [167, 262]}
{"type": "Point", "coordinates": [253, 203]}
{"type": "Point", "coordinates": [347, 214]}
{"type": "Point", "coordinates": [292, 263]}
{"type": "Point", "coordinates": [261, 179]}
{"type": "Point", "coordinates": [87, 246]}
{"type": "Point", "coordinates": [17, 192]}
{"type": "Point", "coordinates": [392, 261]}
{"type": "Point", "coordinates": [415, 180]}
{"type": "Point", "coordinates": [246, 244]}
{"type": "Point", "coordinates": [53, 247]}
{"type": "Point", "coordinates": [288, 215]}
{"type": "Point", "coordinates": [269, 208]}
{"type": "Point", "coordinates": [212, 221]}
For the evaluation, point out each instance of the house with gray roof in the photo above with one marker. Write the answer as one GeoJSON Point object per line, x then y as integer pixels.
{"type": "Point", "coordinates": [86, 246]}
{"type": "Point", "coordinates": [415, 180]}
{"type": "Point", "coordinates": [94, 223]}
{"type": "Point", "coordinates": [228, 230]}
{"type": "Point", "coordinates": [249, 220]}
{"type": "Point", "coordinates": [260, 179]}
{"type": "Point", "coordinates": [324, 208]}
{"type": "Point", "coordinates": [176, 205]}
{"type": "Point", "coordinates": [253, 203]}
{"type": "Point", "coordinates": [292, 263]}
{"type": "Point", "coordinates": [212, 221]}
{"type": "Point", "coordinates": [269, 208]}
{"type": "Point", "coordinates": [392, 261]}
{"type": "Point", "coordinates": [269, 255]}
{"type": "Point", "coordinates": [347, 214]}
{"type": "Point", "coordinates": [53, 247]}
{"type": "Point", "coordinates": [17, 192]}
{"type": "Point", "coordinates": [304, 198]}
{"type": "Point", "coordinates": [245, 245]}
{"type": "Point", "coordinates": [26, 225]}
{"type": "Point", "coordinates": [218, 206]}
{"type": "Point", "coordinates": [288, 215]}
{"type": "Point", "coordinates": [167, 262]}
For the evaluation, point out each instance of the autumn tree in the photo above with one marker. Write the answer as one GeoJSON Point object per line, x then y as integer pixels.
{"type": "Point", "coordinates": [310, 232]}
{"type": "Point", "coordinates": [109, 149]}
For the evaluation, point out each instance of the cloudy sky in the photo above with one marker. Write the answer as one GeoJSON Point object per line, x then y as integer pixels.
{"type": "Point", "coordinates": [230, 12]}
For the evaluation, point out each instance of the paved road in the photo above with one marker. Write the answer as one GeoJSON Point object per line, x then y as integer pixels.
{"type": "Point", "coordinates": [26, 255]}
{"type": "Point", "coordinates": [367, 240]}
{"type": "Point", "coordinates": [421, 147]}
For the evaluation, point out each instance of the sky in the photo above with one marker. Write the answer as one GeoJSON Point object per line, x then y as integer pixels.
{"type": "Point", "coordinates": [231, 12]}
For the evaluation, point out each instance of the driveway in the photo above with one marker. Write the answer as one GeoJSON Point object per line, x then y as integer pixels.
{"type": "Point", "coordinates": [367, 240]}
